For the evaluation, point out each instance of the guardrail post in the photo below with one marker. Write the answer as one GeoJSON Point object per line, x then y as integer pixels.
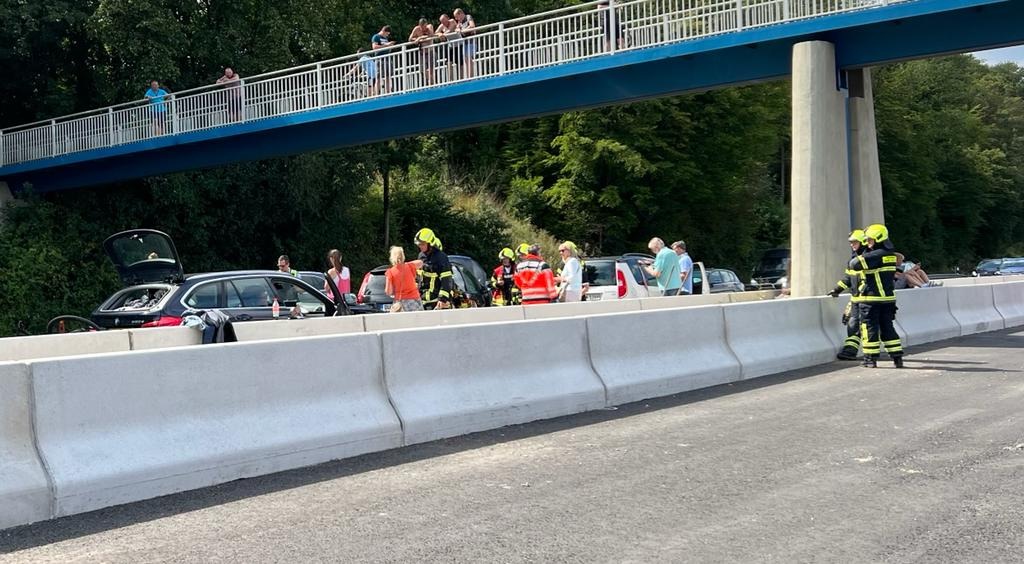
{"type": "Point", "coordinates": [53, 137]}
{"type": "Point", "coordinates": [174, 115]}
{"type": "Point", "coordinates": [785, 10]}
{"type": "Point", "coordinates": [319, 85]}
{"type": "Point", "coordinates": [612, 33]}
{"type": "Point", "coordinates": [404, 54]}
{"type": "Point", "coordinates": [242, 100]}
{"type": "Point", "coordinates": [501, 49]}
{"type": "Point", "coordinates": [110, 126]}
{"type": "Point", "coordinates": [739, 14]}
{"type": "Point", "coordinates": [3, 154]}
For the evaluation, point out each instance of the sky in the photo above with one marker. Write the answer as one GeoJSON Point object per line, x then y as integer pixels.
{"type": "Point", "coordinates": [996, 56]}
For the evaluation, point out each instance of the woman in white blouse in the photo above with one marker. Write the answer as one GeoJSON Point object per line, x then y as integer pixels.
{"type": "Point", "coordinates": [570, 282]}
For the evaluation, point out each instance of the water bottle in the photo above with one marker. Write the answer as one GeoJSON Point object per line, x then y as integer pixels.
{"type": "Point", "coordinates": [276, 308]}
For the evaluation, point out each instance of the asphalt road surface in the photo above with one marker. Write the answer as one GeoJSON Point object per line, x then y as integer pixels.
{"type": "Point", "coordinates": [836, 463]}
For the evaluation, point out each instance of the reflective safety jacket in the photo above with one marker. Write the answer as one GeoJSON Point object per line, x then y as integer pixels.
{"type": "Point", "coordinates": [878, 267]}
{"type": "Point", "coordinates": [435, 277]}
{"type": "Point", "coordinates": [852, 280]}
{"type": "Point", "coordinates": [503, 281]}
{"type": "Point", "coordinates": [536, 280]}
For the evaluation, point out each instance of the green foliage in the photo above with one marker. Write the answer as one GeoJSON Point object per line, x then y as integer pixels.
{"type": "Point", "coordinates": [708, 168]}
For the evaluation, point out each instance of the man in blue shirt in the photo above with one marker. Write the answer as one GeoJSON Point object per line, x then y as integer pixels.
{"type": "Point", "coordinates": [685, 267]}
{"type": "Point", "coordinates": [382, 41]}
{"type": "Point", "coordinates": [665, 268]}
{"type": "Point", "coordinates": [156, 96]}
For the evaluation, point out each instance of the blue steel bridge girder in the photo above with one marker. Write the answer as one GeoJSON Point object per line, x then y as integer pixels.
{"type": "Point", "coordinates": [870, 37]}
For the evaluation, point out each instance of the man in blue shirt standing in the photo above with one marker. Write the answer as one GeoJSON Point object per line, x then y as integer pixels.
{"type": "Point", "coordinates": [382, 41]}
{"type": "Point", "coordinates": [156, 96]}
{"type": "Point", "coordinates": [685, 267]}
{"type": "Point", "coordinates": [665, 268]}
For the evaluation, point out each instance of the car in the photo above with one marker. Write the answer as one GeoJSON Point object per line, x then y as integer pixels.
{"type": "Point", "coordinates": [987, 267]}
{"type": "Point", "coordinates": [468, 290]}
{"type": "Point", "coordinates": [157, 292]}
{"type": "Point", "coordinates": [771, 267]}
{"type": "Point", "coordinates": [473, 269]}
{"type": "Point", "coordinates": [722, 280]}
{"type": "Point", "coordinates": [622, 277]}
{"type": "Point", "coordinates": [1012, 266]}
{"type": "Point", "coordinates": [318, 280]}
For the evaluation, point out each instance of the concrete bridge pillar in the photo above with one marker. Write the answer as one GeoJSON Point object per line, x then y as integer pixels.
{"type": "Point", "coordinates": [820, 216]}
{"type": "Point", "coordinates": [865, 176]}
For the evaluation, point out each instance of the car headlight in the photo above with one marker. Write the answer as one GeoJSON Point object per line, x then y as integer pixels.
{"type": "Point", "coordinates": [753, 282]}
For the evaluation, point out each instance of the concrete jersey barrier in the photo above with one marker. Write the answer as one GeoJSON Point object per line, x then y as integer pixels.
{"type": "Point", "coordinates": [24, 488]}
{"type": "Point", "coordinates": [577, 309]}
{"type": "Point", "coordinates": [832, 319]}
{"type": "Point", "coordinates": [291, 328]}
{"type": "Point", "coordinates": [164, 338]}
{"type": "Point", "coordinates": [974, 309]}
{"type": "Point", "coordinates": [126, 427]}
{"type": "Point", "coordinates": [1009, 302]}
{"type": "Point", "coordinates": [924, 316]}
{"type": "Point", "coordinates": [659, 353]}
{"type": "Point", "coordinates": [64, 344]}
{"type": "Point", "coordinates": [672, 302]}
{"type": "Point", "coordinates": [456, 380]}
{"type": "Point", "coordinates": [775, 336]}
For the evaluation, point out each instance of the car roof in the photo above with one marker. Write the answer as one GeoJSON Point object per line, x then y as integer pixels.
{"type": "Point", "coordinates": [233, 274]}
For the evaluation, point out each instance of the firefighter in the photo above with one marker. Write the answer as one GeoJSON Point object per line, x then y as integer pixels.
{"type": "Point", "coordinates": [851, 317]}
{"type": "Point", "coordinates": [877, 266]}
{"type": "Point", "coordinates": [436, 273]}
{"type": "Point", "coordinates": [535, 278]}
{"type": "Point", "coordinates": [503, 279]}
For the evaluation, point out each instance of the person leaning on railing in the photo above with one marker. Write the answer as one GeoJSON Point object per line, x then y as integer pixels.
{"type": "Point", "coordinates": [466, 28]}
{"type": "Point", "coordinates": [156, 97]}
{"type": "Point", "coordinates": [232, 83]}
{"type": "Point", "coordinates": [423, 36]}
{"type": "Point", "coordinates": [382, 41]}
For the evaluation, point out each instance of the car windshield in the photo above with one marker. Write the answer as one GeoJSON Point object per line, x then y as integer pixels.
{"type": "Point", "coordinates": [375, 285]}
{"type": "Point", "coordinates": [601, 272]}
{"type": "Point", "coordinates": [988, 265]}
{"type": "Point", "coordinates": [142, 247]}
{"type": "Point", "coordinates": [773, 264]}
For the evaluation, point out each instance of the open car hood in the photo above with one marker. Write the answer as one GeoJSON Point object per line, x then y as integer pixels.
{"type": "Point", "coordinates": [144, 256]}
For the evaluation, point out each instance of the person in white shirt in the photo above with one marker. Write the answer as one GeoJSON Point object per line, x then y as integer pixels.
{"type": "Point", "coordinates": [570, 281]}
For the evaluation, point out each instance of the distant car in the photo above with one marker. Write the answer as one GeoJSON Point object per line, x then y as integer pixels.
{"type": "Point", "coordinates": [624, 277]}
{"type": "Point", "coordinates": [318, 279]}
{"type": "Point", "coordinates": [769, 270]}
{"type": "Point", "coordinates": [157, 292]}
{"type": "Point", "coordinates": [722, 280]}
{"type": "Point", "coordinates": [988, 267]}
{"type": "Point", "coordinates": [468, 290]}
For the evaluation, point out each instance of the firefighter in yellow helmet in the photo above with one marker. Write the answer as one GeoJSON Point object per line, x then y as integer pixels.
{"type": "Point", "coordinates": [851, 282]}
{"type": "Point", "coordinates": [878, 297]}
{"type": "Point", "coordinates": [505, 291]}
{"type": "Point", "coordinates": [436, 280]}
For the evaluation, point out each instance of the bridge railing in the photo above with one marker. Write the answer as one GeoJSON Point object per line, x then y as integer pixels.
{"type": "Point", "coordinates": [570, 34]}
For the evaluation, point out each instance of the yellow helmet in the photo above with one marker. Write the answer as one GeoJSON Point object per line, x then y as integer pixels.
{"type": "Point", "coordinates": [427, 236]}
{"type": "Point", "coordinates": [858, 235]}
{"type": "Point", "coordinates": [523, 249]}
{"type": "Point", "coordinates": [506, 253]}
{"type": "Point", "coordinates": [878, 232]}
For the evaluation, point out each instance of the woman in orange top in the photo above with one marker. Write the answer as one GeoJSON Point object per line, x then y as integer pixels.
{"type": "Point", "coordinates": [401, 282]}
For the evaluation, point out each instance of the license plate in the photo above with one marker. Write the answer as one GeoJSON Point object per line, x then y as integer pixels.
{"type": "Point", "coordinates": [384, 307]}
{"type": "Point", "coordinates": [594, 297]}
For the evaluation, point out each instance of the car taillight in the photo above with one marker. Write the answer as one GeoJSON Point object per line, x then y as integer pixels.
{"type": "Point", "coordinates": [362, 288]}
{"type": "Point", "coordinates": [621, 278]}
{"type": "Point", "coordinates": [164, 321]}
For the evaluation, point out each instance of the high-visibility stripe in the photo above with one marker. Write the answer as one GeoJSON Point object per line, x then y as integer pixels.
{"type": "Point", "coordinates": [877, 299]}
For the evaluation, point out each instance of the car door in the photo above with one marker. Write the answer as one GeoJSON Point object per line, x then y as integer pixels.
{"type": "Point", "coordinates": [290, 293]}
{"type": "Point", "coordinates": [249, 299]}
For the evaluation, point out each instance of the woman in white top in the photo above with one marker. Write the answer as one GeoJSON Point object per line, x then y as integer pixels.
{"type": "Point", "coordinates": [570, 283]}
{"type": "Point", "coordinates": [339, 273]}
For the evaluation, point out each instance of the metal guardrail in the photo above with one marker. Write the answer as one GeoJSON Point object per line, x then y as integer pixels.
{"type": "Point", "coordinates": [560, 36]}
